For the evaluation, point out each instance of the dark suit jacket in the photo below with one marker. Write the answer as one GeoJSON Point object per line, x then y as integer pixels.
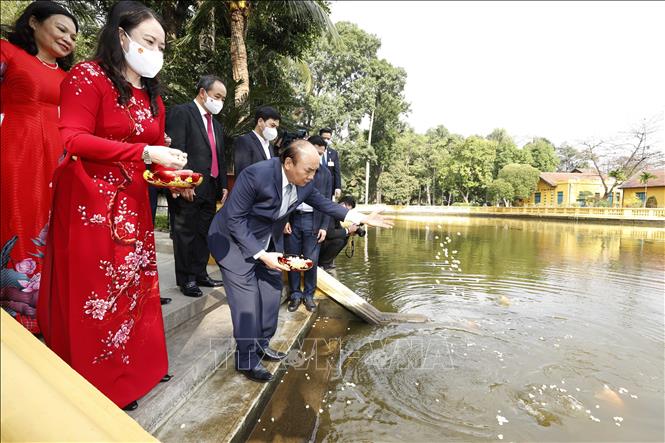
{"type": "Point", "coordinates": [335, 230]}
{"type": "Point", "coordinates": [250, 216]}
{"type": "Point", "coordinates": [335, 170]}
{"type": "Point", "coordinates": [184, 125]}
{"type": "Point", "coordinates": [247, 150]}
{"type": "Point", "coordinates": [323, 183]}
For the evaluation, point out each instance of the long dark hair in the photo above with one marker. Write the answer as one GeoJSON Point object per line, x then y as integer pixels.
{"type": "Point", "coordinates": [110, 56]}
{"type": "Point", "coordinates": [23, 36]}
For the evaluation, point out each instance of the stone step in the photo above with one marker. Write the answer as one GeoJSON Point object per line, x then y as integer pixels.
{"type": "Point", "coordinates": [196, 348]}
{"type": "Point", "coordinates": [225, 406]}
{"type": "Point", "coordinates": [183, 308]}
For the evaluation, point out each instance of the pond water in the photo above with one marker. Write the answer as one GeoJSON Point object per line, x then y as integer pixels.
{"type": "Point", "coordinates": [540, 331]}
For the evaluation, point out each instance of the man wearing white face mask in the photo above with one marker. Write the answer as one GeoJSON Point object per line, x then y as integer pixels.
{"type": "Point", "coordinates": [194, 130]}
{"type": "Point", "coordinates": [255, 146]}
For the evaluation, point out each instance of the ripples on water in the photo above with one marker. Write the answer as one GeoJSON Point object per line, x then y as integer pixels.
{"type": "Point", "coordinates": [551, 332]}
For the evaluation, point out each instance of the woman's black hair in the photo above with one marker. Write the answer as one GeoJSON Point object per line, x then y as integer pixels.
{"type": "Point", "coordinates": [23, 36]}
{"type": "Point", "coordinates": [110, 55]}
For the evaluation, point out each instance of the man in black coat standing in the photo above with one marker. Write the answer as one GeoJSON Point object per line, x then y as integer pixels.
{"type": "Point", "coordinates": [193, 130]}
{"type": "Point", "coordinates": [255, 146]}
{"type": "Point", "coordinates": [331, 160]}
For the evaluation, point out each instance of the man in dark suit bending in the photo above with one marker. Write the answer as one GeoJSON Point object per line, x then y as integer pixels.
{"type": "Point", "coordinates": [246, 239]}
{"type": "Point", "coordinates": [194, 130]}
{"type": "Point", "coordinates": [255, 145]}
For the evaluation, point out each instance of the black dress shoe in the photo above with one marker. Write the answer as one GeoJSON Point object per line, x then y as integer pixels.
{"type": "Point", "coordinates": [271, 354]}
{"type": "Point", "coordinates": [293, 305]}
{"type": "Point", "coordinates": [309, 304]}
{"type": "Point", "coordinates": [209, 282]}
{"type": "Point", "coordinates": [259, 373]}
{"type": "Point", "coordinates": [191, 290]}
{"type": "Point", "coordinates": [166, 378]}
{"type": "Point", "coordinates": [164, 300]}
{"type": "Point", "coordinates": [130, 407]}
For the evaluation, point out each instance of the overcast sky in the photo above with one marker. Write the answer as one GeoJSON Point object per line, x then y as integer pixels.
{"type": "Point", "coordinates": [562, 70]}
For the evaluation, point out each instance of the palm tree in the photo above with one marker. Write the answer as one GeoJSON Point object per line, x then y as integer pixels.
{"type": "Point", "coordinates": [644, 179]}
{"type": "Point", "coordinates": [238, 14]}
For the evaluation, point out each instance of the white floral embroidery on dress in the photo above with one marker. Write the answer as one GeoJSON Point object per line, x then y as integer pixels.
{"type": "Point", "coordinates": [97, 307]}
{"type": "Point", "coordinates": [117, 341]}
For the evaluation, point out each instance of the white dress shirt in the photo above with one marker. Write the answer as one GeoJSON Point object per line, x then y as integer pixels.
{"type": "Point", "coordinates": [264, 143]}
{"type": "Point", "coordinates": [205, 120]}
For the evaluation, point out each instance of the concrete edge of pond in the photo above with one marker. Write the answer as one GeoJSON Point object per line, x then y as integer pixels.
{"type": "Point", "coordinates": [225, 407]}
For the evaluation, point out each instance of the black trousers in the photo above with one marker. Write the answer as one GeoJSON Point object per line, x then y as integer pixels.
{"type": "Point", "coordinates": [189, 231]}
{"type": "Point", "coordinates": [330, 249]}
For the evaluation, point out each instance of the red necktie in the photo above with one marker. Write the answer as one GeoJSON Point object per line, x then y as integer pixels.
{"type": "Point", "coordinates": [214, 169]}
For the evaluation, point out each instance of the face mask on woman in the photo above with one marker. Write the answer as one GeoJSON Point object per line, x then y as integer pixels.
{"type": "Point", "coordinates": [145, 62]}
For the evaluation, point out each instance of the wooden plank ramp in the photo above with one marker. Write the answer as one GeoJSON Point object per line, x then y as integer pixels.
{"type": "Point", "coordinates": [331, 287]}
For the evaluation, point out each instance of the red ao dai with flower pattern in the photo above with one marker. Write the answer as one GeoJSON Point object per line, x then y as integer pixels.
{"type": "Point", "coordinates": [99, 304]}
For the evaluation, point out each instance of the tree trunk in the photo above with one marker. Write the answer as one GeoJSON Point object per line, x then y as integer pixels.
{"type": "Point", "coordinates": [644, 205]}
{"type": "Point", "coordinates": [429, 198]}
{"type": "Point", "coordinates": [239, 51]}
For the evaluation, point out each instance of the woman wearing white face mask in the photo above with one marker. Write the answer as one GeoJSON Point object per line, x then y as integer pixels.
{"type": "Point", "coordinates": [100, 309]}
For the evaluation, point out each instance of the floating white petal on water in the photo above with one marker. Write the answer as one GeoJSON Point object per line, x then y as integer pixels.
{"type": "Point", "coordinates": [633, 396]}
{"type": "Point", "coordinates": [441, 244]}
{"type": "Point", "coordinates": [588, 411]}
{"type": "Point", "coordinates": [264, 429]}
{"type": "Point", "coordinates": [501, 419]}
{"type": "Point", "coordinates": [329, 392]}
{"type": "Point", "coordinates": [577, 389]}
{"type": "Point", "coordinates": [342, 388]}
{"type": "Point", "coordinates": [618, 424]}
{"type": "Point", "coordinates": [623, 391]}
{"type": "Point", "coordinates": [306, 406]}
{"type": "Point", "coordinates": [417, 384]}
{"type": "Point", "coordinates": [556, 345]}
{"type": "Point", "coordinates": [320, 411]}
{"type": "Point", "coordinates": [500, 436]}
{"type": "Point", "coordinates": [531, 395]}
{"type": "Point", "coordinates": [436, 400]}
{"type": "Point", "coordinates": [436, 237]}
{"type": "Point", "coordinates": [348, 402]}
{"type": "Point", "coordinates": [281, 381]}
{"type": "Point", "coordinates": [597, 406]}
{"type": "Point", "coordinates": [618, 418]}
{"type": "Point", "coordinates": [348, 329]}
{"type": "Point", "coordinates": [541, 338]}
{"type": "Point", "coordinates": [438, 282]}
{"type": "Point", "coordinates": [324, 400]}
{"type": "Point", "coordinates": [552, 386]}
{"type": "Point", "coordinates": [597, 420]}
{"type": "Point", "coordinates": [459, 233]}
{"type": "Point", "coordinates": [182, 426]}
{"type": "Point", "coordinates": [272, 419]}
{"type": "Point", "coordinates": [563, 382]}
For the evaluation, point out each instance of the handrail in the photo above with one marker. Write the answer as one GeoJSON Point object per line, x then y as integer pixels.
{"type": "Point", "coordinates": [546, 211]}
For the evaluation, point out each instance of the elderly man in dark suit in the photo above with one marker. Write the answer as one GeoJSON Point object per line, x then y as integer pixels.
{"type": "Point", "coordinates": [194, 130]}
{"type": "Point", "coordinates": [330, 159]}
{"type": "Point", "coordinates": [255, 146]}
{"type": "Point", "coordinates": [306, 230]}
{"type": "Point", "coordinates": [246, 239]}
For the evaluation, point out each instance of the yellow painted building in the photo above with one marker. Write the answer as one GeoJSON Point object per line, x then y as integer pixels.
{"type": "Point", "coordinates": [569, 189]}
{"type": "Point", "coordinates": [633, 190]}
